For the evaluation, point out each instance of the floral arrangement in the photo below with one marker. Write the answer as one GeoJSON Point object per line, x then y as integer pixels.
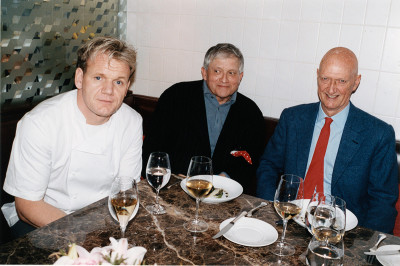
{"type": "Point", "coordinates": [115, 254]}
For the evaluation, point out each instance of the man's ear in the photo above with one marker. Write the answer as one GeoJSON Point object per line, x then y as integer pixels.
{"type": "Point", "coordinates": [204, 73]}
{"type": "Point", "coordinates": [78, 78]}
{"type": "Point", "coordinates": [357, 83]}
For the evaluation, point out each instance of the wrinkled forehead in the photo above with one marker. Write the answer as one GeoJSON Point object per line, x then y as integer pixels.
{"type": "Point", "coordinates": [109, 59]}
{"type": "Point", "coordinates": [225, 58]}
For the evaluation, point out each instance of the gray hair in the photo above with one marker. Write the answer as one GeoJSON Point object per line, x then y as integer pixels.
{"type": "Point", "coordinates": [113, 47]}
{"type": "Point", "coordinates": [224, 50]}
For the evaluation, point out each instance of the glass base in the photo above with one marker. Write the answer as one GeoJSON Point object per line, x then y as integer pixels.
{"type": "Point", "coordinates": [283, 249]}
{"type": "Point", "coordinates": [156, 209]}
{"type": "Point", "coordinates": [196, 226]}
{"type": "Point", "coordinates": [279, 261]}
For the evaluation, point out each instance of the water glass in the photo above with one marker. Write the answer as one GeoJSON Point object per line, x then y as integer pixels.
{"type": "Point", "coordinates": [158, 169]}
{"type": "Point", "coordinates": [325, 253]}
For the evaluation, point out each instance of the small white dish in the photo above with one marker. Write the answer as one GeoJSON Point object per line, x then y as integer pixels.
{"type": "Point", "coordinates": [250, 232]}
{"type": "Point", "coordinates": [111, 211]}
{"type": "Point", "coordinates": [389, 260]}
{"type": "Point", "coordinates": [233, 189]}
{"type": "Point", "coordinates": [351, 219]}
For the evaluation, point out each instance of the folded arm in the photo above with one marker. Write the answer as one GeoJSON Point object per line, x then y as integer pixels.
{"type": "Point", "coordinates": [28, 174]}
{"type": "Point", "coordinates": [37, 213]}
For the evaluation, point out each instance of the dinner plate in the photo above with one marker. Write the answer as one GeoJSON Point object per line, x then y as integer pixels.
{"type": "Point", "coordinates": [232, 188]}
{"type": "Point", "coordinates": [351, 219]}
{"type": "Point", "coordinates": [389, 260]}
{"type": "Point", "coordinates": [250, 232]}
{"type": "Point", "coordinates": [110, 209]}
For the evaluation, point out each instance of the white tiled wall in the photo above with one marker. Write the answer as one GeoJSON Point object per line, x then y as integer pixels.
{"type": "Point", "coordinates": [282, 42]}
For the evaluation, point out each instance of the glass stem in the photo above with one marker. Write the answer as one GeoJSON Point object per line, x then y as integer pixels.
{"type": "Point", "coordinates": [196, 216]}
{"type": "Point", "coordinates": [284, 230]}
{"type": "Point", "coordinates": [157, 204]}
{"type": "Point", "coordinates": [123, 232]}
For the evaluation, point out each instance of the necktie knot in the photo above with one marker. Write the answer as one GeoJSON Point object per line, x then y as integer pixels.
{"type": "Point", "coordinates": [328, 121]}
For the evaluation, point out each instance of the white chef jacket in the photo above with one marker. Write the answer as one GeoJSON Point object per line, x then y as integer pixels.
{"type": "Point", "coordinates": [57, 157]}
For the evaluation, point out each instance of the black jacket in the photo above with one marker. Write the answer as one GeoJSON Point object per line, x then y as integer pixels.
{"type": "Point", "coordinates": [179, 127]}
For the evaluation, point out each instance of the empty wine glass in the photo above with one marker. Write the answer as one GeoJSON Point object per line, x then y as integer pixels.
{"type": "Point", "coordinates": [340, 219]}
{"type": "Point", "coordinates": [158, 168]}
{"type": "Point", "coordinates": [288, 203]}
{"type": "Point", "coordinates": [325, 252]}
{"type": "Point", "coordinates": [123, 197]}
{"type": "Point", "coordinates": [199, 183]}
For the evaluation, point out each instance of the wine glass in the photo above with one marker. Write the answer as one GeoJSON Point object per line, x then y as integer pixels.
{"type": "Point", "coordinates": [325, 252]}
{"type": "Point", "coordinates": [340, 219]}
{"type": "Point", "coordinates": [315, 200]}
{"type": "Point", "coordinates": [123, 197]}
{"type": "Point", "coordinates": [324, 219]}
{"type": "Point", "coordinates": [158, 168]}
{"type": "Point", "coordinates": [288, 203]}
{"type": "Point", "coordinates": [198, 183]}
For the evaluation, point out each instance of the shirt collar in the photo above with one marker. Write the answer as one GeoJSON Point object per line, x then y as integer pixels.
{"type": "Point", "coordinates": [209, 95]}
{"type": "Point", "coordinates": [339, 119]}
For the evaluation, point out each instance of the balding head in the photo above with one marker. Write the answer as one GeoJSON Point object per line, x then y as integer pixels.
{"type": "Point", "coordinates": [342, 54]}
{"type": "Point", "coordinates": [338, 79]}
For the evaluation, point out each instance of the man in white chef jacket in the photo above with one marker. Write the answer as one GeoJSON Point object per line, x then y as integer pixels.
{"type": "Point", "coordinates": [68, 149]}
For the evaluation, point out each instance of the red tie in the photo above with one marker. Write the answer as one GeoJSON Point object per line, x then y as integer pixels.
{"type": "Point", "coordinates": [315, 174]}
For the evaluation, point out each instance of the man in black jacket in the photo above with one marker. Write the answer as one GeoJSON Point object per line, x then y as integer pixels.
{"type": "Point", "coordinates": [210, 118]}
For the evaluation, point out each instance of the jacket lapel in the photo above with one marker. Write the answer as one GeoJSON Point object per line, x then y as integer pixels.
{"type": "Point", "coordinates": [305, 128]}
{"type": "Point", "coordinates": [199, 119]}
{"type": "Point", "coordinates": [349, 144]}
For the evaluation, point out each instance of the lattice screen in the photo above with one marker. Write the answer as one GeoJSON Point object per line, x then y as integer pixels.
{"type": "Point", "coordinates": [39, 40]}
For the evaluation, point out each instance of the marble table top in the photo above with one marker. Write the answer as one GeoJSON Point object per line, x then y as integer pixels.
{"type": "Point", "coordinates": [165, 239]}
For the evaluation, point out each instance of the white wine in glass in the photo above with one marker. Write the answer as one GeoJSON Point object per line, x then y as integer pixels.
{"type": "Point", "coordinates": [198, 183]}
{"type": "Point", "coordinates": [329, 219]}
{"type": "Point", "coordinates": [288, 202]}
{"type": "Point", "coordinates": [123, 198]}
{"type": "Point", "coordinates": [315, 200]}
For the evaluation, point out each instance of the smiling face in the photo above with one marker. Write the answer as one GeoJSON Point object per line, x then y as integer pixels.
{"type": "Point", "coordinates": [337, 79]}
{"type": "Point", "coordinates": [223, 77]}
{"type": "Point", "coordinates": [101, 88]}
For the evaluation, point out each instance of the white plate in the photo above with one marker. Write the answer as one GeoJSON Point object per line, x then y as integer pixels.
{"type": "Point", "coordinates": [351, 219]}
{"type": "Point", "coordinates": [250, 232]}
{"type": "Point", "coordinates": [389, 260]}
{"type": "Point", "coordinates": [233, 188]}
{"type": "Point", "coordinates": [110, 209]}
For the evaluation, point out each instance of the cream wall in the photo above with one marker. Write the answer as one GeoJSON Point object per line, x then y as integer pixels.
{"type": "Point", "coordinates": [282, 42]}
